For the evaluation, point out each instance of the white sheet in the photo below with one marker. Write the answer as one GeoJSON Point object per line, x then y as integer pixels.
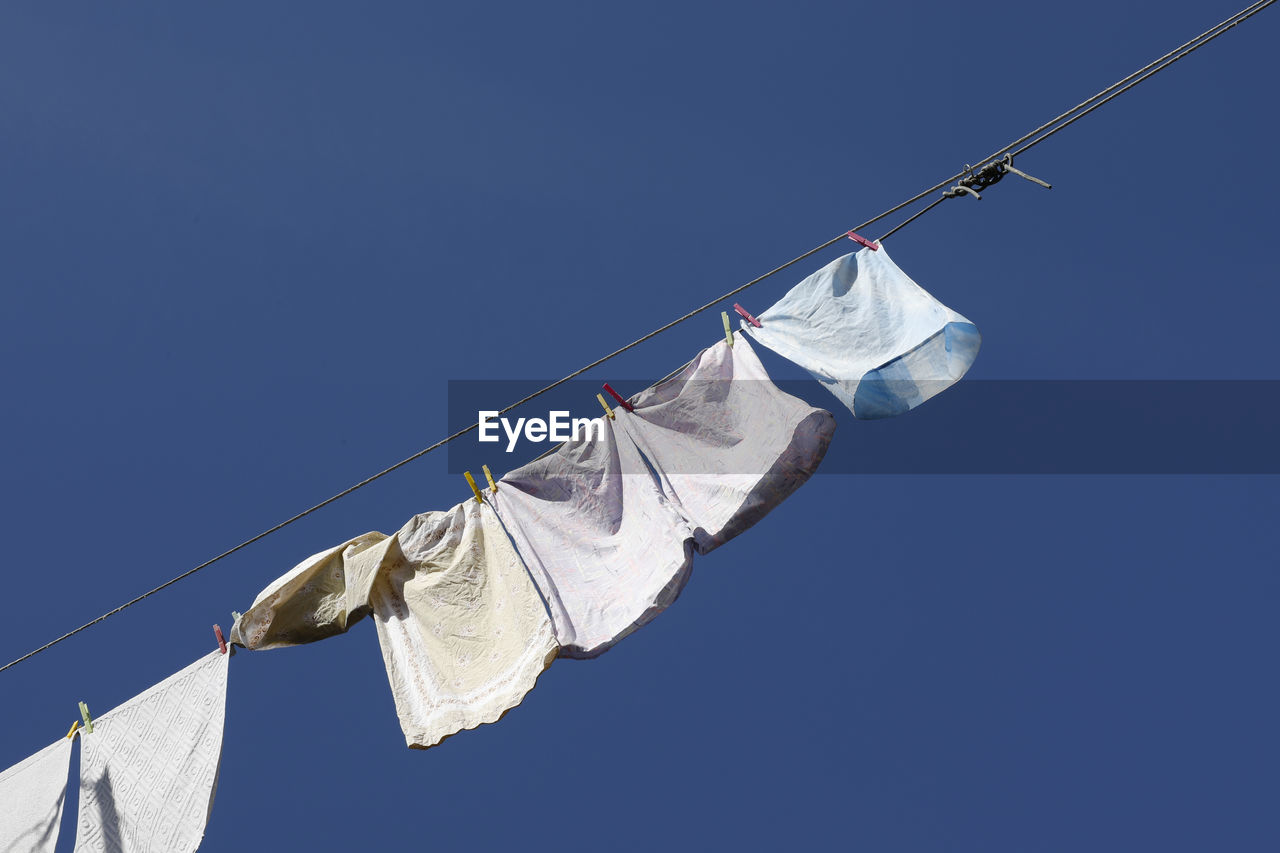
{"type": "Point", "coordinates": [149, 768]}
{"type": "Point", "coordinates": [32, 793]}
{"type": "Point", "coordinates": [608, 551]}
{"type": "Point", "coordinates": [727, 444]}
{"type": "Point", "coordinates": [871, 335]}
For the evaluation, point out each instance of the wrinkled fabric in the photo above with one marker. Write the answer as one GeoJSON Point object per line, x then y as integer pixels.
{"type": "Point", "coordinates": [149, 768]}
{"type": "Point", "coordinates": [607, 549]}
{"type": "Point", "coordinates": [463, 633]}
{"type": "Point", "coordinates": [727, 444]}
{"type": "Point", "coordinates": [871, 335]}
{"type": "Point", "coordinates": [32, 793]}
{"type": "Point", "coordinates": [323, 595]}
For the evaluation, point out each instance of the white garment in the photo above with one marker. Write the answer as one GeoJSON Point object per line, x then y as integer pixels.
{"type": "Point", "coordinates": [608, 551]}
{"type": "Point", "coordinates": [31, 796]}
{"type": "Point", "coordinates": [727, 444]}
{"type": "Point", "coordinates": [149, 768]}
{"type": "Point", "coordinates": [874, 337]}
{"type": "Point", "coordinates": [464, 635]}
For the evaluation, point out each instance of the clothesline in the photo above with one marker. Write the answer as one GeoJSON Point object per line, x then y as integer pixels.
{"type": "Point", "coordinates": [968, 174]}
{"type": "Point", "coordinates": [575, 552]}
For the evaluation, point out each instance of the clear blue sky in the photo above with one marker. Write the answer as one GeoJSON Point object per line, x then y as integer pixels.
{"type": "Point", "coordinates": [246, 245]}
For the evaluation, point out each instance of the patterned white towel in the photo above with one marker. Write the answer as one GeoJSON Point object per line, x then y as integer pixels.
{"type": "Point", "coordinates": [149, 768]}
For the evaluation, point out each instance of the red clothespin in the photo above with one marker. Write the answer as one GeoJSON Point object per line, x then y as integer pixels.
{"type": "Point", "coordinates": [621, 402]}
{"type": "Point", "coordinates": [222, 643]}
{"type": "Point", "coordinates": [870, 244]}
{"type": "Point", "coordinates": [746, 315]}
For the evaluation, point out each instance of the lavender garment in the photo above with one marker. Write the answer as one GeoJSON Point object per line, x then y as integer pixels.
{"type": "Point", "coordinates": [607, 549]}
{"type": "Point", "coordinates": [727, 444]}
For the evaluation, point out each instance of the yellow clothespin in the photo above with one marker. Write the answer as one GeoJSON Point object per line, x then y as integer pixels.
{"type": "Point", "coordinates": [728, 330]}
{"type": "Point", "coordinates": [608, 411]}
{"type": "Point", "coordinates": [74, 726]}
{"type": "Point", "coordinates": [88, 721]}
{"type": "Point", "coordinates": [471, 481]}
{"type": "Point", "coordinates": [488, 475]}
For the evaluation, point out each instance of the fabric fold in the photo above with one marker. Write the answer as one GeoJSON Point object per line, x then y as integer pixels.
{"type": "Point", "coordinates": [607, 549]}
{"type": "Point", "coordinates": [32, 794]}
{"type": "Point", "coordinates": [463, 633]}
{"type": "Point", "coordinates": [876, 339]}
{"type": "Point", "coordinates": [322, 596]}
{"type": "Point", "coordinates": [726, 443]}
{"type": "Point", "coordinates": [149, 768]}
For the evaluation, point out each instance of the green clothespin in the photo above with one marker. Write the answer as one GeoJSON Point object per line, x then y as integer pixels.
{"type": "Point", "coordinates": [88, 721]}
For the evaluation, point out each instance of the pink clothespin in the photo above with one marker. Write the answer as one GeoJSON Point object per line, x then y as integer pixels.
{"type": "Point", "coordinates": [746, 315]}
{"type": "Point", "coordinates": [870, 244]}
{"type": "Point", "coordinates": [621, 402]}
{"type": "Point", "coordinates": [222, 643]}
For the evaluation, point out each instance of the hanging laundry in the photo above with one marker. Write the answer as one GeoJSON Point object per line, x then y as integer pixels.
{"type": "Point", "coordinates": [463, 633]}
{"type": "Point", "coordinates": [322, 596]}
{"type": "Point", "coordinates": [149, 768]}
{"type": "Point", "coordinates": [727, 444]}
{"type": "Point", "coordinates": [31, 796]}
{"type": "Point", "coordinates": [874, 337]}
{"type": "Point", "coordinates": [608, 550]}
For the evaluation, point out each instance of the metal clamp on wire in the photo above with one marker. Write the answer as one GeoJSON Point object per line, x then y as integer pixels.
{"type": "Point", "coordinates": [989, 175]}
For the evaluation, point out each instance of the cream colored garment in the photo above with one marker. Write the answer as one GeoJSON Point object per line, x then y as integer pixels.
{"type": "Point", "coordinates": [31, 796]}
{"type": "Point", "coordinates": [727, 443]}
{"type": "Point", "coordinates": [149, 768]}
{"type": "Point", "coordinates": [323, 595]}
{"type": "Point", "coordinates": [463, 631]}
{"type": "Point", "coordinates": [608, 550]}
{"type": "Point", "coordinates": [464, 635]}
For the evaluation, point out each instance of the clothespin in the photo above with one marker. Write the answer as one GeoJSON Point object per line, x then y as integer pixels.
{"type": "Point", "coordinates": [222, 643]}
{"type": "Point", "coordinates": [870, 244]}
{"type": "Point", "coordinates": [88, 721]}
{"type": "Point", "coordinates": [621, 402]}
{"type": "Point", "coordinates": [488, 475]}
{"type": "Point", "coordinates": [74, 726]}
{"type": "Point", "coordinates": [608, 411]}
{"type": "Point", "coordinates": [728, 330]}
{"type": "Point", "coordinates": [471, 481]}
{"type": "Point", "coordinates": [746, 315]}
